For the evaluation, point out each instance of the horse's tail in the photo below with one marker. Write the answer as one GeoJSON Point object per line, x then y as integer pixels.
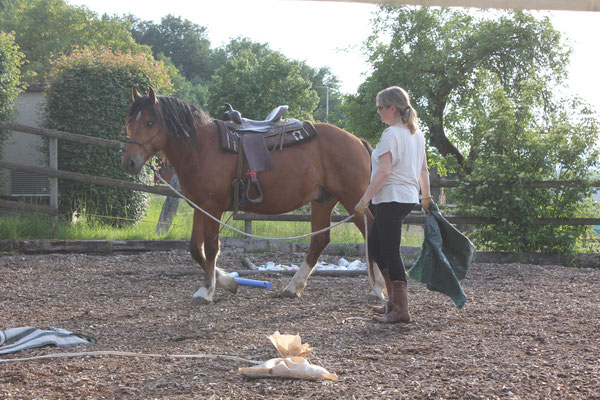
{"type": "Point", "coordinates": [370, 149]}
{"type": "Point", "coordinates": [367, 145]}
{"type": "Point", "coordinates": [376, 280]}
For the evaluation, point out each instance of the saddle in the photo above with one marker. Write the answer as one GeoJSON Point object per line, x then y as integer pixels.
{"type": "Point", "coordinates": [254, 141]}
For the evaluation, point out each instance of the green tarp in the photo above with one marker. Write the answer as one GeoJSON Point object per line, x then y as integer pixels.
{"type": "Point", "coordinates": [445, 257]}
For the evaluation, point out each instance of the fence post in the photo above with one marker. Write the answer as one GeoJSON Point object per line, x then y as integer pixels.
{"type": "Point", "coordinates": [169, 208]}
{"type": "Point", "coordinates": [53, 164]}
{"type": "Point", "coordinates": [248, 226]}
{"type": "Point", "coordinates": [434, 181]}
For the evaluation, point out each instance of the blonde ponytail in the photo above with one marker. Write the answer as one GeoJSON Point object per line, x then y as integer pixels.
{"type": "Point", "coordinates": [410, 119]}
{"type": "Point", "coordinates": [396, 96]}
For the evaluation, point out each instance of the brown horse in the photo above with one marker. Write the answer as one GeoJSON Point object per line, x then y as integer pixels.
{"type": "Point", "coordinates": [333, 167]}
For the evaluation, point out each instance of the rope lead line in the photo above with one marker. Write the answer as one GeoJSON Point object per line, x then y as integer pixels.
{"type": "Point", "coordinates": [248, 234]}
{"type": "Point", "coordinates": [371, 274]}
{"type": "Point", "coordinates": [128, 354]}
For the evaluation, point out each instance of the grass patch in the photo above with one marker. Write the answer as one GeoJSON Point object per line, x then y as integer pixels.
{"type": "Point", "coordinates": [30, 226]}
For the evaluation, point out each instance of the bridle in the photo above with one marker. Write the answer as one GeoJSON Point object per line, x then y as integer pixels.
{"type": "Point", "coordinates": [143, 144]}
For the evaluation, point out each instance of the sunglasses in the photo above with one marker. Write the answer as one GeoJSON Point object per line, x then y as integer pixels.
{"type": "Point", "coordinates": [379, 108]}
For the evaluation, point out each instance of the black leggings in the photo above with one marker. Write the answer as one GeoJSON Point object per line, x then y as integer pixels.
{"type": "Point", "coordinates": [385, 236]}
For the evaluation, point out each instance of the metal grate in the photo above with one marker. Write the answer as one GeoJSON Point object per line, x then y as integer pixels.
{"type": "Point", "coordinates": [28, 184]}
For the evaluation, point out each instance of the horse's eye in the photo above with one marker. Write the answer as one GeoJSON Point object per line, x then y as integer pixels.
{"type": "Point", "coordinates": [149, 124]}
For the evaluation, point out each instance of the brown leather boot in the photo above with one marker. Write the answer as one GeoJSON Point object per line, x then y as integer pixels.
{"type": "Point", "coordinates": [399, 300]}
{"type": "Point", "coordinates": [387, 307]}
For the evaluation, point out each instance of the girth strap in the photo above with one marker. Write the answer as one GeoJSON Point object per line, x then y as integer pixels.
{"type": "Point", "coordinates": [238, 183]}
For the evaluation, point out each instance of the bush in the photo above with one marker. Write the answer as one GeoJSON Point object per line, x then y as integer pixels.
{"type": "Point", "coordinates": [514, 152]}
{"type": "Point", "coordinates": [10, 62]}
{"type": "Point", "coordinates": [89, 93]}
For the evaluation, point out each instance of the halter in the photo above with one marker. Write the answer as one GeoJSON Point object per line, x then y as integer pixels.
{"type": "Point", "coordinates": [143, 144]}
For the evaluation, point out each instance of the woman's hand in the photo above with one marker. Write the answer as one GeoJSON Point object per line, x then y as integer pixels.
{"type": "Point", "coordinates": [360, 208]}
{"type": "Point", "coordinates": [427, 202]}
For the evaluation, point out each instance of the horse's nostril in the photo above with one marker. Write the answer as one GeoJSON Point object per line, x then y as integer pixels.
{"type": "Point", "coordinates": [129, 165]}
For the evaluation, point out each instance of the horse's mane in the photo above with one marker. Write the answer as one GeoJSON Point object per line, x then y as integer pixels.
{"type": "Point", "coordinates": [179, 117]}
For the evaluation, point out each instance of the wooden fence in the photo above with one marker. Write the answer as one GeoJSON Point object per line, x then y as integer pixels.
{"type": "Point", "coordinates": [412, 219]}
{"type": "Point", "coordinates": [54, 173]}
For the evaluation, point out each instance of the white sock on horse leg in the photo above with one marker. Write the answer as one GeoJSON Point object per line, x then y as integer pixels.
{"type": "Point", "coordinates": [298, 282]}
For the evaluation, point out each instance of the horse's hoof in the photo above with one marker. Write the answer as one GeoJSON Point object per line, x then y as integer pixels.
{"type": "Point", "coordinates": [375, 296]}
{"type": "Point", "coordinates": [203, 296]}
{"type": "Point", "coordinates": [233, 288]}
{"type": "Point", "coordinates": [199, 301]}
{"type": "Point", "coordinates": [229, 284]}
{"type": "Point", "coordinates": [288, 294]}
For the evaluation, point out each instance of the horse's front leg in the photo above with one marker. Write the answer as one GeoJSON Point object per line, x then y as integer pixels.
{"type": "Point", "coordinates": [204, 248]}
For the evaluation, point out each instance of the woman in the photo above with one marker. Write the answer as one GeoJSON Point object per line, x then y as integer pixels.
{"type": "Point", "coordinates": [399, 168]}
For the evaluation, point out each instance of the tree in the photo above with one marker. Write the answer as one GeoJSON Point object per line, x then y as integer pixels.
{"type": "Point", "coordinates": [185, 43]}
{"type": "Point", "coordinates": [192, 91]}
{"type": "Point", "coordinates": [438, 55]}
{"type": "Point", "coordinates": [484, 89]}
{"type": "Point", "coordinates": [515, 150]}
{"type": "Point", "coordinates": [45, 29]}
{"type": "Point", "coordinates": [10, 61]}
{"type": "Point", "coordinates": [327, 86]}
{"type": "Point", "coordinates": [256, 79]}
{"type": "Point", "coordinates": [89, 93]}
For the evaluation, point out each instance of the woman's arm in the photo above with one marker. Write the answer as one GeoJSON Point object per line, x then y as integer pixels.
{"type": "Point", "coordinates": [379, 178]}
{"type": "Point", "coordinates": [425, 188]}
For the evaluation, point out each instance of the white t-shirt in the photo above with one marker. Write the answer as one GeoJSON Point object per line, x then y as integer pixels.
{"type": "Point", "coordinates": [408, 151]}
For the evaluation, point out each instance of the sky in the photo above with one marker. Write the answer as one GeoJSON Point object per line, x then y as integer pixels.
{"type": "Point", "coordinates": [331, 33]}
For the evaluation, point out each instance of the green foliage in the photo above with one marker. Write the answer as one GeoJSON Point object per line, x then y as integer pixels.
{"type": "Point", "coordinates": [25, 226]}
{"type": "Point", "coordinates": [483, 85]}
{"type": "Point", "coordinates": [187, 47]}
{"type": "Point", "coordinates": [255, 79]}
{"type": "Point", "coordinates": [89, 93]}
{"type": "Point", "coordinates": [516, 149]}
{"type": "Point", "coordinates": [439, 56]}
{"type": "Point", "coordinates": [28, 226]}
{"type": "Point", "coordinates": [185, 43]}
{"type": "Point", "coordinates": [324, 81]}
{"type": "Point", "coordinates": [10, 61]}
{"type": "Point", "coordinates": [45, 29]}
{"type": "Point", "coordinates": [193, 92]}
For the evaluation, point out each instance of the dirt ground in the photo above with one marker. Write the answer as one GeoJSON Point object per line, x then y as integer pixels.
{"type": "Point", "coordinates": [526, 332]}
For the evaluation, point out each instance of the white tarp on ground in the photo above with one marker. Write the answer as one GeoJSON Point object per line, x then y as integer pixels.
{"type": "Point", "coordinates": [342, 265]}
{"type": "Point", "coordinates": [16, 339]}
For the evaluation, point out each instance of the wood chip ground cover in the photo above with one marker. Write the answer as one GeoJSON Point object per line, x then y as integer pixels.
{"type": "Point", "coordinates": [526, 332]}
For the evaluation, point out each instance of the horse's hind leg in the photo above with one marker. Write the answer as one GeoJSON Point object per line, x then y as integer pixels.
{"type": "Point", "coordinates": [320, 219]}
{"type": "Point", "coordinates": [376, 281]}
{"type": "Point", "coordinates": [204, 248]}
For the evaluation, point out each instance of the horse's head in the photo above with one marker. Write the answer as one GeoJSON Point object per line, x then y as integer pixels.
{"type": "Point", "coordinates": [146, 131]}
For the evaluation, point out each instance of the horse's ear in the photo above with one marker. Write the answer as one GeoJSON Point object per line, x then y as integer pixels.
{"type": "Point", "coordinates": [152, 96]}
{"type": "Point", "coordinates": [135, 94]}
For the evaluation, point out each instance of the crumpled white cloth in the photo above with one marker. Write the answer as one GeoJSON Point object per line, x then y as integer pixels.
{"type": "Point", "coordinates": [16, 339]}
{"type": "Point", "coordinates": [291, 364]}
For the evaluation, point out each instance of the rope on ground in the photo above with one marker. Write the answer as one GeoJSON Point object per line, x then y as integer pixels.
{"type": "Point", "coordinates": [357, 319]}
{"type": "Point", "coordinates": [129, 354]}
